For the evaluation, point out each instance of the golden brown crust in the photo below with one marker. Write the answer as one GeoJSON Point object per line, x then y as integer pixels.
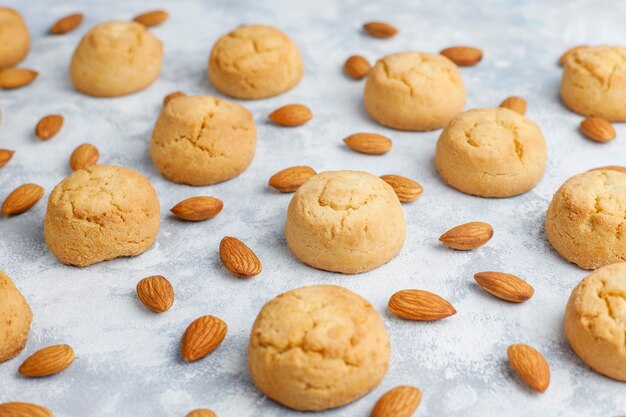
{"type": "Point", "coordinates": [15, 319]}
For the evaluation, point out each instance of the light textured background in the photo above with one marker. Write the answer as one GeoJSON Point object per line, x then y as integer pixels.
{"type": "Point", "coordinates": [127, 357]}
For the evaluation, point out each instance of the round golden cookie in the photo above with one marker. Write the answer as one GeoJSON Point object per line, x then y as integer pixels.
{"type": "Point", "coordinates": [200, 140]}
{"type": "Point", "coordinates": [101, 213]}
{"type": "Point", "coordinates": [585, 221]}
{"type": "Point", "coordinates": [317, 347]}
{"type": "Point", "coordinates": [414, 91]}
{"type": "Point", "coordinates": [115, 59]}
{"type": "Point", "coordinates": [345, 221]}
{"type": "Point", "coordinates": [14, 38]}
{"type": "Point", "coordinates": [595, 320]}
{"type": "Point", "coordinates": [594, 82]}
{"type": "Point", "coordinates": [255, 61]}
{"type": "Point", "coordinates": [491, 153]}
{"type": "Point", "coordinates": [15, 319]}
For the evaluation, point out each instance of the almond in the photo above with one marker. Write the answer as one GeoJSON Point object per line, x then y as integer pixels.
{"type": "Point", "coordinates": [17, 409]}
{"type": "Point", "coordinates": [505, 286]}
{"type": "Point", "coordinates": [597, 129]}
{"type": "Point", "coordinates": [196, 209]}
{"type": "Point", "coordinates": [22, 198]}
{"type": "Point", "coordinates": [369, 143]}
{"type": "Point", "coordinates": [290, 179]}
{"type": "Point", "coordinates": [11, 78]}
{"type": "Point", "coordinates": [202, 337]}
{"type": "Point", "coordinates": [530, 365]}
{"type": "Point", "coordinates": [156, 293]}
{"type": "Point", "coordinates": [201, 412]}
{"type": "Point", "coordinates": [401, 401]}
{"type": "Point", "coordinates": [357, 67]}
{"type": "Point", "coordinates": [406, 189]}
{"type": "Point", "coordinates": [463, 56]}
{"type": "Point", "coordinates": [610, 168]}
{"type": "Point", "coordinates": [380, 29]}
{"type": "Point", "coordinates": [47, 361]}
{"type": "Point", "coordinates": [239, 259]}
{"type": "Point", "coordinates": [515, 103]}
{"type": "Point", "coordinates": [5, 156]}
{"type": "Point", "coordinates": [291, 115]}
{"type": "Point", "coordinates": [67, 24]}
{"type": "Point", "coordinates": [152, 18]}
{"type": "Point", "coordinates": [84, 156]}
{"type": "Point", "coordinates": [467, 236]}
{"type": "Point", "coordinates": [49, 126]}
{"type": "Point", "coordinates": [172, 96]}
{"type": "Point", "coordinates": [419, 305]}
{"type": "Point", "coordinates": [567, 53]}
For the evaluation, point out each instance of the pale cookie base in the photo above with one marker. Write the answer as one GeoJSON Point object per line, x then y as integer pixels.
{"type": "Point", "coordinates": [15, 319]}
{"type": "Point", "coordinates": [14, 38]}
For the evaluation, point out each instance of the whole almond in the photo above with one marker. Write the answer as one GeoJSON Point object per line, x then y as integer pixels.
{"type": "Point", "coordinates": [597, 129]}
{"type": "Point", "coordinates": [467, 236]}
{"type": "Point", "coordinates": [84, 156]}
{"type": "Point", "coordinates": [380, 29]}
{"type": "Point", "coordinates": [406, 189]}
{"type": "Point", "coordinates": [290, 179]}
{"type": "Point", "coordinates": [610, 168]}
{"type": "Point", "coordinates": [47, 361]}
{"type": "Point", "coordinates": [202, 337]}
{"type": "Point", "coordinates": [11, 78]}
{"type": "Point", "coordinates": [196, 209]}
{"type": "Point", "coordinates": [239, 259]}
{"type": "Point", "coordinates": [201, 412]}
{"type": "Point", "coordinates": [48, 126]}
{"type": "Point", "coordinates": [401, 401]}
{"type": "Point", "coordinates": [5, 156]}
{"type": "Point", "coordinates": [291, 115]}
{"type": "Point", "coordinates": [18, 409]}
{"type": "Point", "coordinates": [369, 143]}
{"type": "Point", "coordinates": [505, 286]}
{"type": "Point", "coordinates": [530, 365]}
{"type": "Point", "coordinates": [67, 24]}
{"type": "Point", "coordinates": [152, 18]}
{"type": "Point", "coordinates": [567, 53]}
{"type": "Point", "coordinates": [463, 56]}
{"type": "Point", "coordinates": [156, 293]}
{"type": "Point", "coordinates": [172, 96]}
{"type": "Point", "coordinates": [515, 103]}
{"type": "Point", "coordinates": [22, 198]}
{"type": "Point", "coordinates": [419, 305]}
{"type": "Point", "coordinates": [357, 67]}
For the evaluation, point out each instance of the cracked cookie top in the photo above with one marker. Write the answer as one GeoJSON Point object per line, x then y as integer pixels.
{"type": "Point", "coordinates": [606, 64]}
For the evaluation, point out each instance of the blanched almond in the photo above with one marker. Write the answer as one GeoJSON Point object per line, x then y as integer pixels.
{"type": "Point", "coordinates": [419, 305]}
{"type": "Point", "coordinates": [291, 115]}
{"type": "Point", "coordinates": [196, 209]}
{"type": "Point", "coordinates": [290, 179]}
{"type": "Point", "coordinates": [84, 156]}
{"type": "Point", "coordinates": [505, 286]}
{"type": "Point", "coordinates": [368, 143]}
{"type": "Point", "coordinates": [467, 236]}
{"type": "Point", "coordinates": [67, 24]}
{"type": "Point", "coordinates": [202, 337]}
{"type": "Point", "coordinates": [405, 188]}
{"type": "Point", "coordinates": [49, 126]}
{"type": "Point", "coordinates": [357, 67]}
{"type": "Point", "coordinates": [380, 29]}
{"type": "Point", "coordinates": [463, 56]}
{"type": "Point", "coordinates": [22, 198]}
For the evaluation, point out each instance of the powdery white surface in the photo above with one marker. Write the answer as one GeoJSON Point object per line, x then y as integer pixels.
{"type": "Point", "coordinates": [128, 358]}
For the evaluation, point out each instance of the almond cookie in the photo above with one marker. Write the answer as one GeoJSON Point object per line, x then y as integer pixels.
{"type": "Point", "coordinates": [595, 320]}
{"type": "Point", "coordinates": [585, 221]}
{"type": "Point", "coordinates": [414, 91]}
{"type": "Point", "coordinates": [115, 59]}
{"type": "Point", "coordinates": [594, 82]}
{"type": "Point", "coordinates": [14, 38]}
{"type": "Point", "coordinates": [201, 140]}
{"type": "Point", "coordinates": [100, 213]}
{"type": "Point", "coordinates": [491, 153]}
{"type": "Point", "coordinates": [318, 347]}
{"type": "Point", "coordinates": [15, 319]}
{"type": "Point", "coordinates": [255, 61]}
{"type": "Point", "coordinates": [345, 221]}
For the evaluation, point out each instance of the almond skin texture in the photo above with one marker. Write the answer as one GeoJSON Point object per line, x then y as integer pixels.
{"type": "Point", "coordinates": [47, 361]}
{"type": "Point", "coordinates": [5, 156]}
{"type": "Point", "coordinates": [11, 78]}
{"type": "Point", "coordinates": [406, 189]}
{"type": "Point", "coordinates": [463, 56]}
{"type": "Point", "coordinates": [515, 103]}
{"type": "Point", "coordinates": [49, 126]}
{"type": "Point", "coordinates": [597, 129]}
{"type": "Point", "coordinates": [291, 115]}
{"type": "Point", "coordinates": [172, 96]}
{"type": "Point", "coordinates": [67, 24]}
{"type": "Point", "coordinates": [530, 365]}
{"type": "Point", "coordinates": [368, 143]}
{"type": "Point", "coordinates": [197, 209]}
{"type": "Point", "coordinates": [202, 337]}
{"type": "Point", "coordinates": [419, 305]}
{"type": "Point", "coordinates": [152, 18]}
{"type": "Point", "coordinates": [357, 67]}
{"type": "Point", "coordinates": [380, 30]}
{"type": "Point", "coordinates": [22, 198]}
{"type": "Point", "coordinates": [239, 259]}
{"type": "Point", "coordinates": [505, 286]}
{"type": "Point", "coordinates": [84, 156]}
{"type": "Point", "coordinates": [17, 409]}
{"type": "Point", "coordinates": [290, 179]}
{"type": "Point", "coordinates": [202, 412]}
{"type": "Point", "coordinates": [401, 401]}
{"type": "Point", "coordinates": [563, 57]}
{"type": "Point", "coordinates": [156, 293]}
{"type": "Point", "coordinates": [467, 236]}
